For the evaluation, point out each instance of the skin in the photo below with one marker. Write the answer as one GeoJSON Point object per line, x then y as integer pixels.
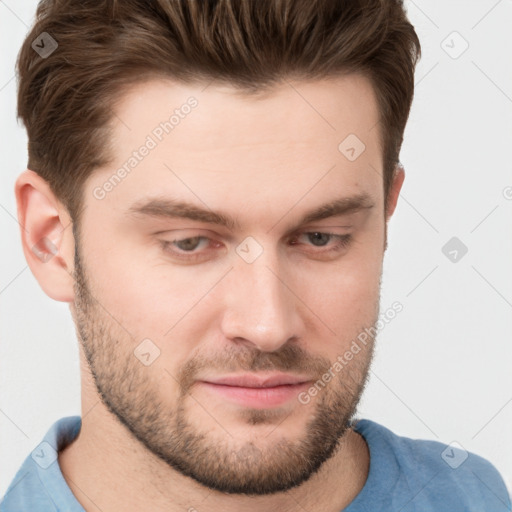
{"type": "Point", "coordinates": [265, 161]}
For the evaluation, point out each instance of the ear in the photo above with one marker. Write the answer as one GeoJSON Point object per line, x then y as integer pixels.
{"type": "Point", "coordinates": [46, 236]}
{"type": "Point", "coordinates": [393, 193]}
{"type": "Point", "coordinates": [394, 190]}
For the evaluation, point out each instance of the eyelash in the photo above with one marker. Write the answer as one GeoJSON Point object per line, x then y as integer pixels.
{"type": "Point", "coordinates": [342, 243]}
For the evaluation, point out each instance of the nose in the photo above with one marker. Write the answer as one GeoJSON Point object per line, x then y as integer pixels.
{"type": "Point", "coordinates": [260, 306]}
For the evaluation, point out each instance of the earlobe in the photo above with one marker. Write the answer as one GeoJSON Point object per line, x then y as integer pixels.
{"type": "Point", "coordinates": [46, 236]}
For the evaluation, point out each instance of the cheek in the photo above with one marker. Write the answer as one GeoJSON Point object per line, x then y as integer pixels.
{"type": "Point", "coordinates": [345, 294]}
{"type": "Point", "coordinates": [138, 312]}
{"type": "Point", "coordinates": [143, 297]}
{"type": "Point", "coordinates": [121, 282]}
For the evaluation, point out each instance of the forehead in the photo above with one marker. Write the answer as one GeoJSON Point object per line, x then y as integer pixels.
{"type": "Point", "coordinates": [225, 116]}
{"type": "Point", "coordinates": [211, 144]}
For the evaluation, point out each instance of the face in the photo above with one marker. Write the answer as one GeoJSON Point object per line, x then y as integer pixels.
{"type": "Point", "coordinates": [178, 308]}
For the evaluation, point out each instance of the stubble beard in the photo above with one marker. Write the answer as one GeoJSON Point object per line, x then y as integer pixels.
{"type": "Point", "coordinates": [211, 456]}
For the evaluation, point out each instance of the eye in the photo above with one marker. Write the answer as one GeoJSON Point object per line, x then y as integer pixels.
{"type": "Point", "coordinates": [188, 244]}
{"type": "Point", "coordinates": [195, 248]}
{"type": "Point", "coordinates": [321, 239]}
{"type": "Point", "coordinates": [187, 248]}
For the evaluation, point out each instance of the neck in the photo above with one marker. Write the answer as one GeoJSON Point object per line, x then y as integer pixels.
{"type": "Point", "coordinates": [107, 469]}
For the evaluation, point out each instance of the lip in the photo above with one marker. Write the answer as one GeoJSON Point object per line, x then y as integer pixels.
{"type": "Point", "coordinates": [252, 380]}
{"type": "Point", "coordinates": [257, 391]}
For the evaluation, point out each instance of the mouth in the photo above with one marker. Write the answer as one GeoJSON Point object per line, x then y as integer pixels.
{"type": "Point", "coordinates": [257, 391]}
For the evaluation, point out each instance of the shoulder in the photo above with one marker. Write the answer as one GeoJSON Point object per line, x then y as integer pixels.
{"type": "Point", "coordinates": [26, 491]}
{"type": "Point", "coordinates": [437, 472]}
{"type": "Point", "coordinates": [39, 483]}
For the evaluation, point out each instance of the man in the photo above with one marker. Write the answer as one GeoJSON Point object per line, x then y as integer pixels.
{"type": "Point", "coordinates": [208, 187]}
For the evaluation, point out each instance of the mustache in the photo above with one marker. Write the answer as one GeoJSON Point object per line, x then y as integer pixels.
{"type": "Point", "coordinates": [289, 358]}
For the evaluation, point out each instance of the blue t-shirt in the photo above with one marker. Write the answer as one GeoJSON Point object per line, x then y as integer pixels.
{"type": "Point", "coordinates": [406, 475]}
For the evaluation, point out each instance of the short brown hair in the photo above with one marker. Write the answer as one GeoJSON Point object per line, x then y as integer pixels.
{"type": "Point", "coordinates": [66, 99]}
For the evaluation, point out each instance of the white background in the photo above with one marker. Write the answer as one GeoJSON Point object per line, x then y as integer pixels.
{"type": "Point", "coordinates": [443, 365]}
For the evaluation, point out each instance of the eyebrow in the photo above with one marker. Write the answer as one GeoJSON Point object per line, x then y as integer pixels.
{"type": "Point", "coordinates": [164, 207]}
